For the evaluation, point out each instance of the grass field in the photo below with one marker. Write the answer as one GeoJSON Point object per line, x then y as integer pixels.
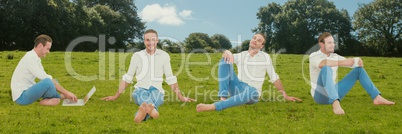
{"type": "Point", "coordinates": [196, 75]}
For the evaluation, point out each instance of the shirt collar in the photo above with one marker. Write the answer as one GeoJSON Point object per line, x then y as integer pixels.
{"type": "Point", "coordinates": [33, 54]}
{"type": "Point", "coordinates": [256, 55]}
{"type": "Point", "coordinates": [157, 52]}
{"type": "Point", "coordinates": [330, 55]}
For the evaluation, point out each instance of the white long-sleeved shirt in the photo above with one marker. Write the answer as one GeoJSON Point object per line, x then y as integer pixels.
{"type": "Point", "coordinates": [29, 68]}
{"type": "Point", "coordinates": [149, 70]}
{"type": "Point", "coordinates": [314, 62]}
{"type": "Point", "coordinates": [252, 70]}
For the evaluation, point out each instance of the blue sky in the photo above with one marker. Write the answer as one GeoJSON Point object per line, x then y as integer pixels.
{"type": "Point", "coordinates": [176, 19]}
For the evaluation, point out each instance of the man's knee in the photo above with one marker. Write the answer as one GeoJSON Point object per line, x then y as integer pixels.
{"type": "Point", "coordinates": [48, 82]}
{"type": "Point", "coordinates": [326, 71]}
{"type": "Point", "coordinates": [223, 94]}
{"type": "Point", "coordinates": [326, 68]}
{"type": "Point", "coordinates": [253, 95]}
{"type": "Point", "coordinates": [359, 69]}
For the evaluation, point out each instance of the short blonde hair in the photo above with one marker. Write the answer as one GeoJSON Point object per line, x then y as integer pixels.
{"type": "Point", "coordinates": [151, 31]}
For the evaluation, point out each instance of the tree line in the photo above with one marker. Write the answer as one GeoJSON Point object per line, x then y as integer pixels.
{"type": "Point", "coordinates": [374, 30]}
{"type": "Point", "coordinates": [65, 20]}
{"type": "Point", "coordinates": [296, 25]}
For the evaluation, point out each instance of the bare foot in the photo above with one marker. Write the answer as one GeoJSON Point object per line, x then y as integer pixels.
{"type": "Point", "coordinates": [336, 107]}
{"type": "Point", "coordinates": [223, 98]}
{"type": "Point", "coordinates": [205, 107]}
{"type": "Point", "coordinates": [152, 111]}
{"type": "Point", "coordinates": [50, 102]}
{"type": "Point", "coordinates": [141, 113]}
{"type": "Point", "coordinates": [379, 100]}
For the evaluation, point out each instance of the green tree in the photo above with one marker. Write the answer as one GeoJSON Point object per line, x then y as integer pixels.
{"type": "Point", "coordinates": [295, 25]}
{"type": "Point", "coordinates": [243, 47]}
{"type": "Point", "coordinates": [172, 47]}
{"type": "Point", "coordinates": [267, 16]}
{"type": "Point", "coordinates": [222, 41]}
{"type": "Point", "coordinates": [123, 22]}
{"type": "Point", "coordinates": [22, 21]}
{"type": "Point", "coordinates": [15, 18]}
{"type": "Point", "coordinates": [88, 22]}
{"type": "Point", "coordinates": [379, 26]}
{"type": "Point", "coordinates": [197, 41]}
{"type": "Point", "coordinates": [66, 20]}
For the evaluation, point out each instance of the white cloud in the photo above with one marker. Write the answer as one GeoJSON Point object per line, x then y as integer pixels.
{"type": "Point", "coordinates": [166, 15]}
{"type": "Point", "coordinates": [185, 13]}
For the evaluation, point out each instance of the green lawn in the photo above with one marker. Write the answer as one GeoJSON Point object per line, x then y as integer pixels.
{"type": "Point", "coordinates": [197, 78]}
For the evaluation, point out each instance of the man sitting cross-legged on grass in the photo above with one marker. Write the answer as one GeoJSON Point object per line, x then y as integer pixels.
{"type": "Point", "coordinates": [149, 66]}
{"type": "Point", "coordinates": [323, 72]}
{"type": "Point", "coordinates": [23, 86]}
{"type": "Point", "coordinates": [246, 89]}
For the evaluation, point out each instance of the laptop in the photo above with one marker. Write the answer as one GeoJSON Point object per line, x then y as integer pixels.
{"type": "Point", "coordinates": [80, 102]}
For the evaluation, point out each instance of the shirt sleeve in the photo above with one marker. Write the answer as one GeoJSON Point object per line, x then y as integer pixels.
{"type": "Point", "coordinates": [341, 57]}
{"type": "Point", "coordinates": [135, 61]}
{"type": "Point", "coordinates": [37, 70]}
{"type": "Point", "coordinates": [273, 76]}
{"type": "Point", "coordinates": [167, 69]}
{"type": "Point", "coordinates": [236, 58]}
{"type": "Point", "coordinates": [315, 60]}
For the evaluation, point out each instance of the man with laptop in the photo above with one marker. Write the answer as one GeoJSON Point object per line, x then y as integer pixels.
{"type": "Point", "coordinates": [80, 102]}
{"type": "Point", "coordinates": [25, 90]}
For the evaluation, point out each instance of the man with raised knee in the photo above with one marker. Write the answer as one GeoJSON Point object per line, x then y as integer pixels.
{"type": "Point", "coordinates": [252, 66]}
{"type": "Point", "coordinates": [323, 72]}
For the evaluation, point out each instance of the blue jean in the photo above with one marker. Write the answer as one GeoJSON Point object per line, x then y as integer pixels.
{"type": "Point", "coordinates": [44, 89]}
{"type": "Point", "coordinates": [327, 92]}
{"type": "Point", "coordinates": [229, 84]}
{"type": "Point", "coordinates": [149, 96]}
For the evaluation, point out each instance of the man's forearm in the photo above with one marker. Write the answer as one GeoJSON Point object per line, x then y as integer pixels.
{"type": "Point", "coordinates": [58, 87]}
{"type": "Point", "coordinates": [122, 86]}
{"type": "Point", "coordinates": [279, 86]}
{"type": "Point", "coordinates": [334, 63]}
